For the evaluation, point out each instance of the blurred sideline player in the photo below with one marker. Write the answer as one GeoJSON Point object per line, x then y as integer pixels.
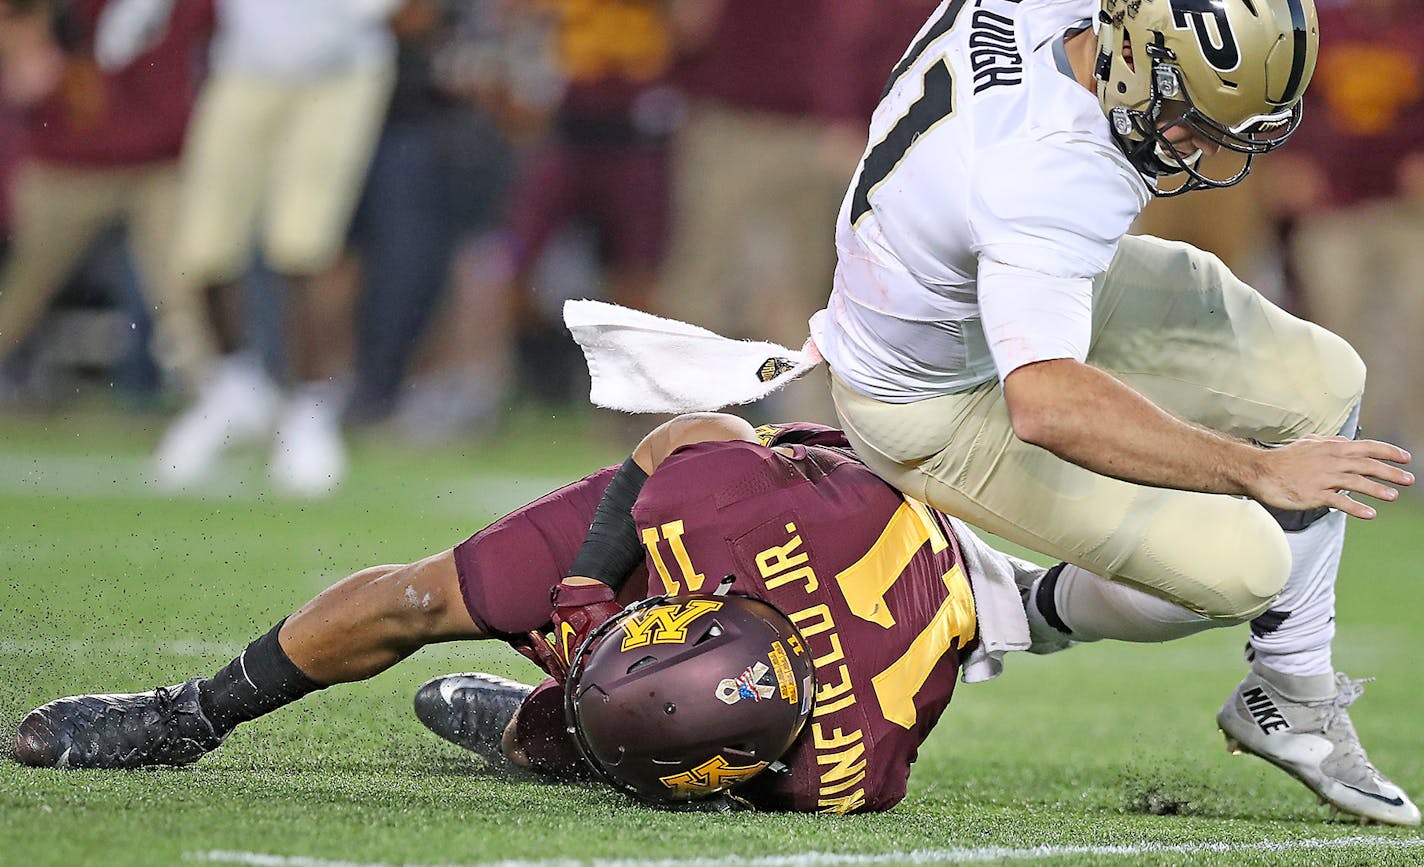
{"type": "Point", "coordinates": [101, 144]}
{"type": "Point", "coordinates": [280, 142]}
{"type": "Point", "coordinates": [878, 586]}
{"type": "Point", "coordinates": [604, 162]}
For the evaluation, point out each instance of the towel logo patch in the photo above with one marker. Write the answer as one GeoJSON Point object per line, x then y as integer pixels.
{"type": "Point", "coordinates": [774, 367]}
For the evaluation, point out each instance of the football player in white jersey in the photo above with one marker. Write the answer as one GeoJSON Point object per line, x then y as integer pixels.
{"type": "Point", "coordinates": [1000, 349]}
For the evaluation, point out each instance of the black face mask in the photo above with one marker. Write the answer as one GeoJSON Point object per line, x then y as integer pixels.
{"type": "Point", "coordinates": [1147, 148]}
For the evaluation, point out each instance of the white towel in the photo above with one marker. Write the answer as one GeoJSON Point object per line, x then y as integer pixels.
{"type": "Point", "coordinates": [644, 363]}
{"type": "Point", "coordinates": [995, 578]}
{"type": "Point", "coordinates": [639, 362]}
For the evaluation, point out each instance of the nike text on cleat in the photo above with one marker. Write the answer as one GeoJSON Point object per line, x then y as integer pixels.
{"type": "Point", "coordinates": [131, 730]}
{"type": "Point", "coordinates": [1302, 725]}
{"type": "Point", "coordinates": [472, 710]}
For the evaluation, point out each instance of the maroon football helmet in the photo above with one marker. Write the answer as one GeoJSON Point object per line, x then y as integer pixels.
{"type": "Point", "coordinates": [681, 698]}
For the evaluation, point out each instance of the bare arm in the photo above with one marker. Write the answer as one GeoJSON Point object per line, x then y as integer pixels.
{"type": "Point", "coordinates": [667, 438]}
{"type": "Point", "coordinates": [697, 427]}
{"type": "Point", "coordinates": [1089, 418]}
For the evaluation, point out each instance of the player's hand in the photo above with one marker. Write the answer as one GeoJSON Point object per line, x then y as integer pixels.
{"type": "Point", "coordinates": [581, 605]}
{"type": "Point", "coordinates": [1320, 471]}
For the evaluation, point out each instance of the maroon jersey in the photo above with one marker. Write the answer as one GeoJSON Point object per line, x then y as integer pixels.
{"type": "Point", "coordinates": [872, 580]}
{"type": "Point", "coordinates": [1366, 97]}
{"type": "Point", "coordinates": [792, 57]}
{"type": "Point", "coordinates": [615, 56]}
{"type": "Point", "coordinates": [137, 114]}
{"type": "Point", "coordinates": [507, 569]}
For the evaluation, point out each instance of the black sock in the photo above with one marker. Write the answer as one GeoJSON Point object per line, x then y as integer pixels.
{"type": "Point", "coordinates": [259, 681]}
{"type": "Point", "coordinates": [1046, 603]}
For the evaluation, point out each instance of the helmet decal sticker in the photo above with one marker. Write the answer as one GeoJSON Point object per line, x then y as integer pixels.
{"type": "Point", "coordinates": [1207, 19]}
{"type": "Point", "coordinates": [666, 624]}
{"type": "Point", "coordinates": [711, 776]}
{"type": "Point", "coordinates": [784, 676]}
{"type": "Point", "coordinates": [748, 684]}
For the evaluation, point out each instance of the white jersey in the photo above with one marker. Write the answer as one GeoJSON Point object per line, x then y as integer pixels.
{"type": "Point", "coordinates": [295, 41]}
{"type": "Point", "coordinates": [992, 196]}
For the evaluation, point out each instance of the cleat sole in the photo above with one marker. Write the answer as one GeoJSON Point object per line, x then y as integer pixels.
{"type": "Point", "coordinates": [1233, 746]}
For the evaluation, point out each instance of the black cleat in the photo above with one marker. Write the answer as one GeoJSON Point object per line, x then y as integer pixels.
{"type": "Point", "coordinates": [472, 710]}
{"type": "Point", "coordinates": [128, 730]}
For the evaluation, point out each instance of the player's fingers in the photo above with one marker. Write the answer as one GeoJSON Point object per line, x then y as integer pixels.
{"type": "Point", "coordinates": [1380, 451]}
{"type": "Point", "coordinates": [1373, 469]}
{"type": "Point", "coordinates": [1392, 474]}
{"type": "Point", "coordinates": [1338, 500]}
{"type": "Point", "coordinates": [545, 657]}
{"type": "Point", "coordinates": [1389, 473]}
{"type": "Point", "coordinates": [1369, 487]}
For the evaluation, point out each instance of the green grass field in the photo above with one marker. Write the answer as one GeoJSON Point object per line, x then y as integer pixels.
{"type": "Point", "coordinates": [1105, 754]}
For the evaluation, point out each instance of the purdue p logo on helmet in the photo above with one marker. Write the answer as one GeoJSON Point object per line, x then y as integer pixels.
{"type": "Point", "coordinates": [1234, 71]}
{"type": "Point", "coordinates": [681, 698]}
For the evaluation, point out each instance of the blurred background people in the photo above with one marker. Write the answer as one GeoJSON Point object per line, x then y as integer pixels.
{"type": "Point", "coordinates": [439, 172]}
{"type": "Point", "coordinates": [281, 140]}
{"type": "Point", "coordinates": [97, 148]}
{"type": "Point", "coordinates": [1349, 191]}
{"type": "Point", "coordinates": [780, 99]}
{"type": "Point", "coordinates": [11, 144]}
{"type": "Point", "coordinates": [600, 166]}
{"type": "Point", "coordinates": [682, 156]}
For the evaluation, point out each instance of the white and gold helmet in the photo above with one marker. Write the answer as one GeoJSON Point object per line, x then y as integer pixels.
{"type": "Point", "coordinates": [1234, 70]}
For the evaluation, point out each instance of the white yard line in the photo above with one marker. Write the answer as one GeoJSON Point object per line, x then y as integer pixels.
{"type": "Point", "coordinates": [833, 859]}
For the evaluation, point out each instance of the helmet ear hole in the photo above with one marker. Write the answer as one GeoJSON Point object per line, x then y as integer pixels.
{"type": "Point", "coordinates": [642, 663]}
{"type": "Point", "coordinates": [713, 631]}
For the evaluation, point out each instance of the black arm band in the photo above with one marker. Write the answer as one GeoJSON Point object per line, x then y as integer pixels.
{"type": "Point", "coordinates": [611, 551]}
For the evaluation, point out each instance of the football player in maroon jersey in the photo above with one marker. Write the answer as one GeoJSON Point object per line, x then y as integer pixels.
{"type": "Point", "coordinates": [824, 555]}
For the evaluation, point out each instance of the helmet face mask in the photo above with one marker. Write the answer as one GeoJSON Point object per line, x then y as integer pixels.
{"type": "Point", "coordinates": [1230, 71]}
{"type": "Point", "coordinates": [681, 698]}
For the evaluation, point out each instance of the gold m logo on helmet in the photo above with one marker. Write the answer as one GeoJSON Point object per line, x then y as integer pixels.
{"type": "Point", "coordinates": [713, 775]}
{"type": "Point", "coordinates": [666, 624]}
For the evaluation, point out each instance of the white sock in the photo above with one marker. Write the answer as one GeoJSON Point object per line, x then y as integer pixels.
{"type": "Point", "coordinates": [1294, 635]}
{"type": "Point", "coordinates": [1094, 608]}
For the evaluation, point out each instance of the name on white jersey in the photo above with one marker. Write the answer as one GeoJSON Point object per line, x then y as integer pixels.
{"type": "Point", "coordinates": [993, 49]}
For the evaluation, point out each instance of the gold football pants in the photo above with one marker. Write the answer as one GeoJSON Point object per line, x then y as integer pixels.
{"type": "Point", "coordinates": [1172, 322]}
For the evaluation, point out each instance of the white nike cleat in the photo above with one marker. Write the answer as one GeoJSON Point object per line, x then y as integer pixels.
{"type": "Point", "coordinates": [236, 406]}
{"type": "Point", "coordinates": [1302, 725]}
{"type": "Point", "coordinates": [309, 455]}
